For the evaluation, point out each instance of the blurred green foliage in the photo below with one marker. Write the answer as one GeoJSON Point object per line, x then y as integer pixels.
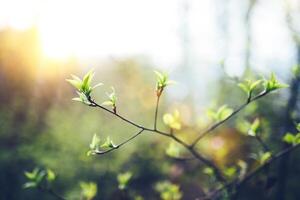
{"type": "Point", "coordinates": [40, 126]}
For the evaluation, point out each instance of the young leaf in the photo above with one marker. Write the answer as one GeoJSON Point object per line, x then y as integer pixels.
{"type": "Point", "coordinates": [76, 83]}
{"type": "Point", "coordinates": [83, 86]}
{"type": "Point", "coordinates": [30, 184]}
{"type": "Point", "coordinates": [289, 138]}
{"type": "Point", "coordinates": [249, 86]}
{"type": "Point", "coordinates": [108, 144]}
{"type": "Point", "coordinates": [265, 157]}
{"type": "Point", "coordinates": [208, 171]}
{"type": "Point", "coordinates": [112, 99]}
{"type": "Point", "coordinates": [168, 190]}
{"type": "Point", "coordinates": [220, 114]}
{"type": "Point", "coordinates": [50, 175]}
{"type": "Point", "coordinates": [95, 144]}
{"type": "Point", "coordinates": [173, 150]}
{"type": "Point", "coordinates": [230, 171]}
{"type": "Point", "coordinates": [161, 82]}
{"type": "Point", "coordinates": [172, 120]}
{"type": "Point", "coordinates": [88, 190]}
{"type": "Point", "coordinates": [123, 179]}
{"type": "Point", "coordinates": [254, 127]}
{"type": "Point", "coordinates": [273, 84]}
{"type": "Point", "coordinates": [32, 175]}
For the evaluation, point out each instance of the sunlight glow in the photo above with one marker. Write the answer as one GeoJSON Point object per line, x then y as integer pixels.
{"type": "Point", "coordinates": [101, 28]}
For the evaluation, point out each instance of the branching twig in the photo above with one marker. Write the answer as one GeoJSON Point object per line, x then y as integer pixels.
{"type": "Point", "coordinates": [181, 142]}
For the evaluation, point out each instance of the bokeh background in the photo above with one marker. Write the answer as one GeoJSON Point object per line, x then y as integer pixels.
{"type": "Point", "coordinates": [206, 46]}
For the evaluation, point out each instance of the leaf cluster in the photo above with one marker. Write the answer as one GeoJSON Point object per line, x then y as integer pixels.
{"type": "Point", "coordinates": [37, 178]}
{"type": "Point", "coordinates": [97, 147]}
{"type": "Point", "coordinates": [83, 86]}
{"type": "Point", "coordinates": [88, 190]}
{"type": "Point", "coordinates": [168, 190]}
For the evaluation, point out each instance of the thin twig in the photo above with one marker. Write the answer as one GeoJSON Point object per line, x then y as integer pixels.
{"type": "Point", "coordinates": [216, 125]}
{"type": "Point", "coordinates": [187, 146]}
{"type": "Point", "coordinates": [156, 112]}
{"type": "Point", "coordinates": [52, 192]}
{"type": "Point", "coordinates": [262, 143]}
{"type": "Point", "coordinates": [238, 183]}
{"type": "Point", "coordinates": [121, 144]}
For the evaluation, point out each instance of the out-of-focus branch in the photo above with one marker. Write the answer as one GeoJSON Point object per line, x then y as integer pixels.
{"type": "Point", "coordinates": [52, 193]}
{"type": "Point", "coordinates": [239, 183]}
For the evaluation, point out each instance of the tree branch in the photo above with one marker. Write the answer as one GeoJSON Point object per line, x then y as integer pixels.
{"type": "Point", "coordinates": [239, 183]}
{"type": "Point", "coordinates": [216, 125]}
{"type": "Point", "coordinates": [121, 144]}
{"type": "Point", "coordinates": [181, 142]}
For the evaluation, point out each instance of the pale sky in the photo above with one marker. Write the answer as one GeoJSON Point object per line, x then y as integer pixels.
{"type": "Point", "coordinates": [102, 28]}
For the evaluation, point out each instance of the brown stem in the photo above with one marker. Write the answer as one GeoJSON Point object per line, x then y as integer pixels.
{"type": "Point", "coordinates": [156, 112]}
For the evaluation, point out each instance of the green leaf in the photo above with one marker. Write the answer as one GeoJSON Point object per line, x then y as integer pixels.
{"type": "Point", "coordinates": [223, 112]}
{"type": "Point", "coordinates": [97, 85]}
{"type": "Point", "coordinates": [230, 171]}
{"type": "Point", "coordinates": [90, 152]}
{"type": "Point", "coordinates": [168, 190]}
{"type": "Point", "coordinates": [95, 143]}
{"type": "Point", "coordinates": [298, 127]}
{"type": "Point", "coordinates": [173, 150]}
{"type": "Point", "coordinates": [254, 84]}
{"type": "Point", "coordinates": [265, 157]}
{"type": "Point", "coordinates": [254, 127]}
{"type": "Point", "coordinates": [112, 99]}
{"type": "Point", "coordinates": [249, 86]}
{"type": "Point", "coordinates": [123, 179]}
{"type": "Point", "coordinates": [273, 84]}
{"type": "Point", "coordinates": [244, 87]}
{"type": "Point", "coordinates": [161, 82]}
{"type": "Point", "coordinates": [243, 126]}
{"type": "Point", "coordinates": [289, 138]}
{"type": "Point", "coordinates": [88, 190]}
{"type": "Point", "coordinates": [108, 144]}
{"type": "Point", "coordinates": [296, 70]}
{"type": "Point", "coordinates": [50, 175]}
{"type": "Point", "coordinates": [107, 103]}
{"type": "Point", "coordinates": [77, 84]}
{"type": "Point", "coordinates": [87, 79]}
{"type": "Point", "coordinates": [29, 185]}
{"type": "Point", "coordinates": [292, 139]}
{"type": "Point", "coordinates": [40, 177]}
{"type": "Point", "coordinates": [83, 86]}
{"type": "Point", "coordinates": [208, 171]}
{"type": "Point", "coordinates": [172, 120]}
{"type": "Point", "coordinates": [159, 75]}
{"type": "Point", "coordinates": [32, 175]}
{"type": "Point", "coordinates": [220, 114]}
